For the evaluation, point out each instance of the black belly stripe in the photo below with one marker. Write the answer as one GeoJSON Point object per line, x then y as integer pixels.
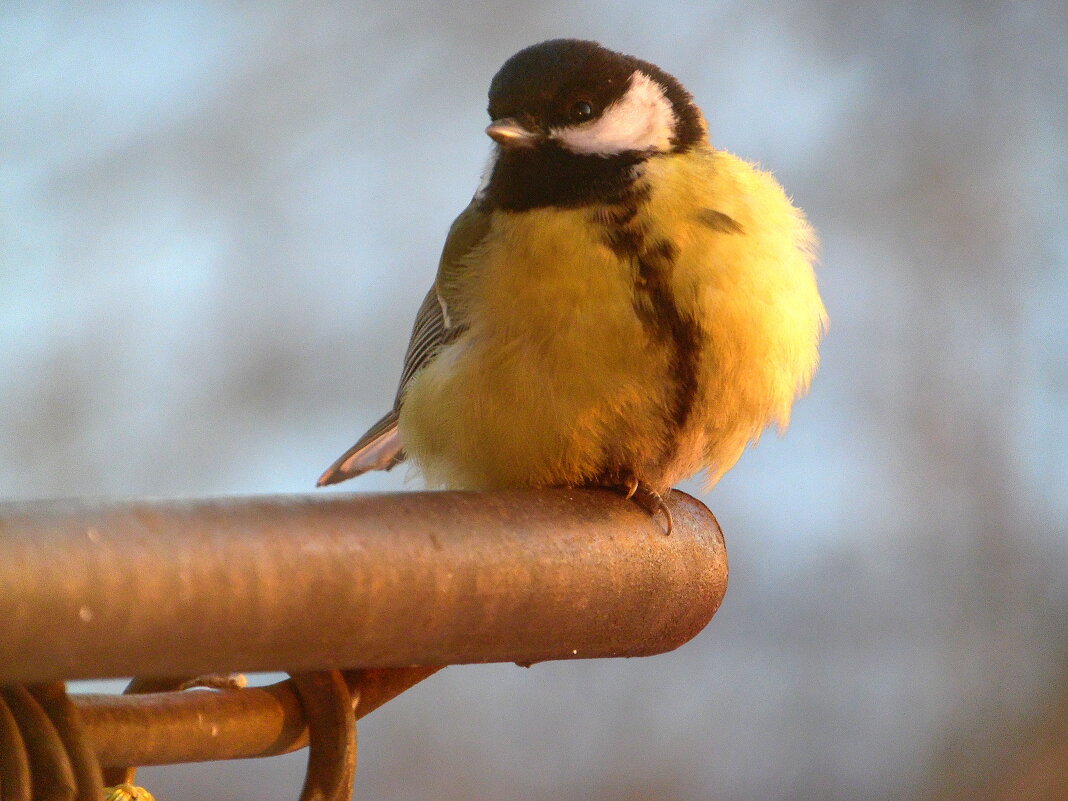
{"type": "Point", "coordinates": [667, 322]}
{"type": "Point", "coordinates": [655, 306]}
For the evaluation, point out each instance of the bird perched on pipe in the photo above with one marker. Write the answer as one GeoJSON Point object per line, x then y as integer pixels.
{"type": "Point", "coordinates": [620, 305]}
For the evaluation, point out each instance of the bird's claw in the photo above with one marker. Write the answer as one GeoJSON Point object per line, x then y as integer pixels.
{"type": "Point", "coordinates": [633, 489]}
{"type": "Point", "coordinates": [652, 502]}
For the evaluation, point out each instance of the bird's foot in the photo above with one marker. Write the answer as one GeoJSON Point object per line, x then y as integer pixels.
{"type": "Point", "coordinates": [645, 496]}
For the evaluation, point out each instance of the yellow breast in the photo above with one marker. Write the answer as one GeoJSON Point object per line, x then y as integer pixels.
{"type": "Point", "coordinates": [751, 283]}
{"type": "Point", "coordinates": [558, 378]}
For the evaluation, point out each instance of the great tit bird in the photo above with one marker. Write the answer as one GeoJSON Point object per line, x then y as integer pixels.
{"type": "Point", "coordinates": [620, 305]}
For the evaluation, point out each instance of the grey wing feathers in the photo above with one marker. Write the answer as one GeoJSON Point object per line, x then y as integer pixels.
{"type": "Point", "coordinates": [435, 325]}
{"type": "Point", "coordinates": [430, 332]}
{"type": "Point", "coordinates": [378, 449]}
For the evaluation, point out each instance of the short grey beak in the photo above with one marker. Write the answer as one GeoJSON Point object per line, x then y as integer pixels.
{"type": "Point", "coordinates": [507, 132]}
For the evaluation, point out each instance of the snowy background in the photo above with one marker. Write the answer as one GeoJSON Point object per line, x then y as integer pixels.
{"type": "Point", "coordinates": [218, 220]}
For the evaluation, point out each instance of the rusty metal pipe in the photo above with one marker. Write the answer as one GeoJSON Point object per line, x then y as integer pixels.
{"type": "Point", "coordinates": [201, 726]}
{"type": "Point", "coordinates": [300, 583]}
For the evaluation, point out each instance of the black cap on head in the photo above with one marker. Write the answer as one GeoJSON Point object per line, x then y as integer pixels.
{"type": "Point", "coordinates": [544, 86]}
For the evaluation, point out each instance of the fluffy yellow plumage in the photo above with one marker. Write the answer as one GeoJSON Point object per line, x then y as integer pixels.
{"type": "Point", "coordinates": [556, 374]}
{"type": "Point", "coordinates": [620, 305]}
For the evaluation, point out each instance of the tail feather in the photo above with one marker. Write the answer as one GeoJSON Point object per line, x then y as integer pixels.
{"type": "Point", "coordinates": [379, 449]}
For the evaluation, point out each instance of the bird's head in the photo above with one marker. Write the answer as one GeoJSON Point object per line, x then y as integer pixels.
{"type": "Point", "coordinates": [589, 100]}
{"type": "Point", "coordinates": [571, 119]}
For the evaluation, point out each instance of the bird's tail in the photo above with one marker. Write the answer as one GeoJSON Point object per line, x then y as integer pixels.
{"type": "Point", "coordinates": [379, 449]}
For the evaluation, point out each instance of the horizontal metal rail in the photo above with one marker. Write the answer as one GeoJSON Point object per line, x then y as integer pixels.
{"type": "Point", "coordinates": [357, 597]}
{"type": "Point", "coordinates": [302, 583]}
{"type": "Point", "coordinates": [196, 726]}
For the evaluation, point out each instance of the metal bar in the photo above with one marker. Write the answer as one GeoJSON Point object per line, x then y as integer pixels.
{"type": "Point", "coordinates": [85, 770]}
{"type": "Point", "coordinates": [52, 776]}
{"type": "Point", "coordinates": [199, 726]}
{"type": "Point", "coordinates": [193, 726]}
{"type": "Point", "coordinates": [330, 710]}
{"type": "Point", "coordinates": [300, 583]}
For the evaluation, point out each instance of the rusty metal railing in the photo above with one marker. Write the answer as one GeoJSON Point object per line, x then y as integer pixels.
{"type": "Point", "coordinates": [358, 597]}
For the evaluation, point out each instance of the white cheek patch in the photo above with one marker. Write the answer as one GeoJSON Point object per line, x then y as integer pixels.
{"type": "Point", "coordinates": [640, 120]}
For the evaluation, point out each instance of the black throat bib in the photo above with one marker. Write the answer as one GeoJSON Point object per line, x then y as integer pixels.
{"type": "Point", "coordinates": [549, 175]}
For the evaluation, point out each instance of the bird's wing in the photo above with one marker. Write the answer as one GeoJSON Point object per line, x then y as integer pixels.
{"type": "Point", "coordinates": [440, 320]}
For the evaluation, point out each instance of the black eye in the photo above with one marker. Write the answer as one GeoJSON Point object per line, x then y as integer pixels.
{"type": "Point", "coordinates": [581, 111]}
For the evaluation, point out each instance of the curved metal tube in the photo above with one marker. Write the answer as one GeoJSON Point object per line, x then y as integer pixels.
{"type": "Point", "coordinates": [307, 583]}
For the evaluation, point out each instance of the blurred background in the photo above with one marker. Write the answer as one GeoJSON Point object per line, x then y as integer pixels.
{"type": "Point", "coordinates": [217, 222]}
